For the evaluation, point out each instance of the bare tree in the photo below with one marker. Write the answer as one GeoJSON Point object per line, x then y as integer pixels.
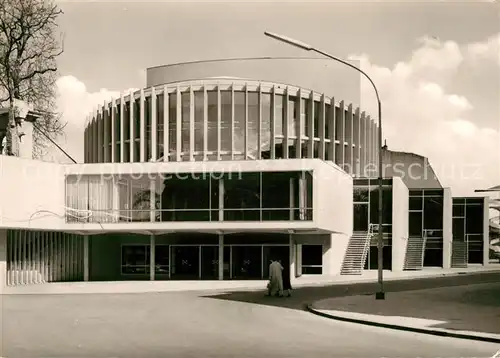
{"type": "Point", "coordinates": [29, 48]}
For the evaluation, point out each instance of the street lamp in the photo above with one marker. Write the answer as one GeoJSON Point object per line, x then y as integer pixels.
{"type": "Point", "coordinates": [380, 295]}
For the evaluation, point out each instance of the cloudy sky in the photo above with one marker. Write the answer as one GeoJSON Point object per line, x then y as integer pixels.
{"type": "Point", "coordinates": [437, 64]}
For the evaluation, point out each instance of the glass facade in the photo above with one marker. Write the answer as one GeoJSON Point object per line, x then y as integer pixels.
{"type": "Point", "coordinates": [426, 218]}
{"type": "Point", "coordinates": [245, 196]}
{"type": "Point", "coordinates": [365, 198]}
{"type": "Point", "coordinates": [468, 219]}
{"type": "Point", "coordinates": [241, 120]}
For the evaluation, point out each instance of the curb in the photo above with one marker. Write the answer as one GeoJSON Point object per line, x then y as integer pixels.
{"type": "Point", "coordinates": [430, 331]}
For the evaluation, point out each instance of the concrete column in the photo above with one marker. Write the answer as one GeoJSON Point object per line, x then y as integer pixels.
{"type": "Point", "coordinates": [221, 199]}
{"type": "Point", "coordinates": [154, 127]}
{"type": "Point", "coordinates": [142, 130]}
{"type": "Point", "coordinates": [221, 256]}
{"type": "Point", "coordinates": [191, 123]}
{"type": "Point", "coordinates": [112, 152]}
{"type": "Point", "coordinates": [321, 129]}
{"type": "Point", "coordinates": [310, 120]}
{"type": "Point", "coordinates": [286, 123]}
{"type": "Point", "coordinates": [298, 125]}
{"type": "Point", "coordinates": [272, 124]}
{"type": "Point", "coordinates": [152, 200]}
{"type": "Point", "coordinates": [259, 125]}
{"type": "Point", "coordinates": [205, 123]}
{"type": "Point", "coordinates": [447, 227]}
{"type": "Point", "coordinates": [3, 259]}
{"type": "Point", "coordinates": [123, 123]}
{"type": "Point", "coordinates": [486, 232]}
{"type": "Point", "coordinates": [166, 145]}
{"type": "Point", "coordinates": [152, 261]}
{"type": "Point", "coordinates": [298, 260]}
{"type": "Point", "coordinates": [331, 149]}
{"type": "Point", "coordinates": [400, 207]}
{"type": "Point", "coordinates": [86, 255]}
{"type": "Point", "coordinates": [293, 255]}
{"type": "Point", "coordinates": [178, 127]}
{"type": "Point", "coordinates": [219, 123]}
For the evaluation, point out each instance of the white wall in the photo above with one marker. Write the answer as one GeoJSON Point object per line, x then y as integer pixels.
{"type": "Point", "coordinates": [400, 207]}
{"type": "Point", "coordinates": [3, 259]}
{"type": "Point", "coordinates": [486, 231]}
{"type": "Point", "coordinates": [447, 227]}
{"type": "Point", "coordinates": [333, 199]}
{"type": "Point", "coordinates": [28, 187]}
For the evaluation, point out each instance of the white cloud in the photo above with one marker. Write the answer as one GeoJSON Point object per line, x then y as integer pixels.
{"type": "Point", "coordinates": [76, 103]}
{"type": "Point", "coordinates": [420, 116]}
{"type": "Point", "coordinates": [489, 49]}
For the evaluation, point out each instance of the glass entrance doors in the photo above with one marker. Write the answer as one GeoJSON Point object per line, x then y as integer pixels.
{"type": "Point", "coordinates": [210, 262]}
{"type": "Point", "coordinates": [246, 262]}
{"type": "Point", "coordinates": [185, 262]}
{"type": "Point", "coordinates": [195, 262]}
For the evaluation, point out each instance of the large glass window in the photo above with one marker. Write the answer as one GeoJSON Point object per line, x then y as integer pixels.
{"type": "Point", "coordinates": [242, 197]}
{"type": "Point", "coordinates": [186, 197]}
{"type": "Point", "coordinates": [172, 123]}
{"type": "Point", "coordinates": [239, 122]}
{"type": "Point", "coordinates": [162, 259]}
{"type": "Point", "coordinates": [148, 130]}
{"type": "Point", "coordinates": [433, 213]}
{"type": "Point", "coordinates": [159, 126]}
{"type": "Point", "coordinates": [415, 224]}
{"type": "Point", "coordinates": [265, 133]}
{"type": "Point", "coordinates": [185, 126]}
{"type": "Point", "coordinates": [253, 122]}
{"type": "Point", "coordinates": [361, 219]}
{"type": "Point", "coordinates": [474, 219]}
{"type": "Point", "coordinates": [135, 259]}
{"type": "Point", "coordinates": [198, 121]}
{"type": "Point", "coordinates": [226, 110]}
{"type": "Point", "coordinates": [387, 203]}
{"type": "Point", "coordinates": [212, 120]}
{"type": "Point", "coordinates": [312, 259]}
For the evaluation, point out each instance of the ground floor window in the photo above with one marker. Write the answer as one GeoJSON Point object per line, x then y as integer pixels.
{"type": "Point", "coordinates": [135, 259]}
{"type": "Point", "coordinates": [312, 259]}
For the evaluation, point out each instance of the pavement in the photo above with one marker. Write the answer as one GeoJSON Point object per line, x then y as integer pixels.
{"type": "Point", "coordinates": [368, 276]}
{"type": "Point", "coordinates": [470, 311]}
{"type": "Point", "coordinates": [186, 324]}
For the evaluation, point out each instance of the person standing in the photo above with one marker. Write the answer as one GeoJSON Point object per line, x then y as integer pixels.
{"type": "Point", "coordinates": [275, 285]}
{"type": "Point", "coordinates": [287, 285]}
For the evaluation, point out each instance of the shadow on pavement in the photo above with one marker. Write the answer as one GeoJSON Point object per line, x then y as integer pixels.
{"type": "Point", "coordinates": [303, 296]}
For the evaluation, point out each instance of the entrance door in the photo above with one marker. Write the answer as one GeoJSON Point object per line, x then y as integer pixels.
{"type": "Point", "coordinates": [278, 252]}
{"type": "Point", "coordinates": [210, 262]}
{"type": "Point", "coordinates": [247, 262]}
{"type": "Point", "coordinates": [185, 262]}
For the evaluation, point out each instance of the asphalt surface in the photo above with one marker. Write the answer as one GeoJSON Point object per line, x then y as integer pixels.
{"type": "Point", "coordinates": [184, 325]}
{"type": "Point", "coordinates": [242, 324]}
{"type": "Point", "coordinates": [468, 308]}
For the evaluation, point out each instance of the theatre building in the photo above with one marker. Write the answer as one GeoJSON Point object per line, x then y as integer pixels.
{"type": "Point", "coordinates": [199, 176]}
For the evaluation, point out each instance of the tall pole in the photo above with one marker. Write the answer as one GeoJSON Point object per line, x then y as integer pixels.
{"type": "Point", "coordinates": [380, 295]}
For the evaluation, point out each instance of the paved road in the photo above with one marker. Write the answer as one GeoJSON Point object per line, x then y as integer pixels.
{"type": "Point", "coordinates": [185, 325]}
{"type": "Point", "coordinates": [469, 308]}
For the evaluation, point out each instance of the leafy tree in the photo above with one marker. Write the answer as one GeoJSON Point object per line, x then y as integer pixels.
{"type": "Point", "coordinates": [29, 47]}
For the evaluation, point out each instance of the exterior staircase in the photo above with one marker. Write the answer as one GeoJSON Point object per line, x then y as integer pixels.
{"type": "Point", "coordinates": [357, 250]}
{"type": "Point", "coordinates": [415, 250]}
{"type": "Point", "coordinates": [459, 254]}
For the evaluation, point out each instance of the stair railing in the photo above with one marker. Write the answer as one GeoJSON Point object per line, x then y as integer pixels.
{"type": "Point", "coordinates": [424, 243]}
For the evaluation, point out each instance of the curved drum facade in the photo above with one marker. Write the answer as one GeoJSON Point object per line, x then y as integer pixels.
{"type": "Point", "coordinates": [231, 119]}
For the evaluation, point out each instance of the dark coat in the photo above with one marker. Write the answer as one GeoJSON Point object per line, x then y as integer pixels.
{"type": "Point", "coordinates": [286, 278]}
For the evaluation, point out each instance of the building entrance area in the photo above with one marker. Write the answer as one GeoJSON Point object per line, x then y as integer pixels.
{"type": "Point", "coordinates": [201, 262]}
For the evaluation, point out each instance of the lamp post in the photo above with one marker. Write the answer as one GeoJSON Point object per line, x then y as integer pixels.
{"type": "Point", "coordinates": [380, 295]}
